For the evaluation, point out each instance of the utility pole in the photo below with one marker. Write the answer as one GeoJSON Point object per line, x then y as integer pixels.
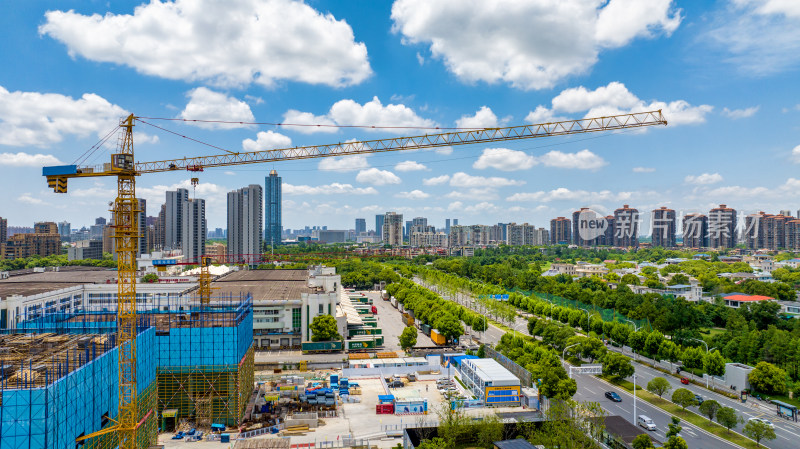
{"type": "Point", "coordinates": [634, 398]}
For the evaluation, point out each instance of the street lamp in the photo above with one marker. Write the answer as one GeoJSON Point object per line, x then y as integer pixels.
{"type": "Point", "coordinates": [703, 342]}
{"type": "Point", "coordinates": [564, 353]}
{"type": "Point", "coordinates": [634, 397]}
{"type": "Point", "coordinates": [515, 328]}
{"type": "Point", "coordinates": [635, 329]}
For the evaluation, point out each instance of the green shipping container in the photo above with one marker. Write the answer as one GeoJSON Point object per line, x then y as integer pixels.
{"type": "Point", "coordinates": [320, 346]}
{"type": "Point", "coordinates": [360, 344]}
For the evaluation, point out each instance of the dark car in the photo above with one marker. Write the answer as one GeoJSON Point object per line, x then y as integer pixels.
{"type": "Point", "coordinates": [699, 399]}
{"type": "Point", "coordinates": [613, 396]}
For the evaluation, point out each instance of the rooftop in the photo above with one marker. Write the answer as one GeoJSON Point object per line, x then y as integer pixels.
{"type": "Point", "coordinates": [35, 283]}
{"type": "Point", "coordinates": [265, 284]}
{"type": "Point", "coordinates": [518, 443]}
{"type": "Point", "coordinates": [489, 369]}
{"type": "Point", "coordinates": [747, 298]}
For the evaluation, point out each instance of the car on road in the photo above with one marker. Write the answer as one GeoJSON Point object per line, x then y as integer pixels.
{"type": "Point", "coordinates": [613, 396]}
{"type": "Point", "coordinates": [645, 422]}
{"type": "Point", "coordinates": [685, 380]}
{"type": "Point", "coordinates": [699, 399]}
{"type": "Point", "coordinates": [763, 421]}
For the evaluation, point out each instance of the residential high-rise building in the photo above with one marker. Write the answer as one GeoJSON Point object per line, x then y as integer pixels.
{"type": "Point", "coordinates": [455, 222]}
{"type": "Point", "coordinates": [560, 231]}
{"type": "Point", "coordinates": [786, 212]}
{"type": "Point", "coordinates": [45, 227]}
{"type": "Point", "coordinates": [793, 235]}
{"type": "Point", "coordinates": [3, 237]}
{"type": "Point", "coordinates": [419, 221]}
{"type": "Point", "coordinates": [607, 239]}
{"type": "Point", "coordinates": [100, 221]}
{"type": "Point", "coordinates": [447, 225]}
{"type": "Point", "coordinates": [159, 228]}
{"type": "Point", "coordinates": [577, 235]}
{"type": "Point", "coordinates": [44, 241]}
{"type": "Point", "coordinates": [379, 225]}
{"type": "Point", "coordinates": [393, 228]}
{"type": "Point", "coordinates": [407, 231]}
{"type": "Point", "coordinates": [664, 227]}
{"type": "Point", "coordinates": [776, 231]}
{"type": "Point", "coordinates": [626, 227]}
{"type": "Point", "coordinates": [754, 232]}
{"type": "Point", "coordinates": [272, 203]}
{"type": "Point", "coordinates": [695, 231]}
{"type": "Point", "coordinates": [722, 227]}
{"type": "Point", "coordinates": [245, 224]}
{"type": "Point", "coordinates": [64, 229]}
{"type": "Point", "coordinates": [141, 222]}
{"type": "Point", "coordinates": [361, 226]}
{"type": "Point", "coordinates": [193, 232]}
{"type": "Point", "coordinates": [520, 234]}
{"type": "Point", "coordinates": [173, 218]}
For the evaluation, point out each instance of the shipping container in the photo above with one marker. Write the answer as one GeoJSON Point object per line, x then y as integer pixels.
{"type": "Point", "coordinates": [385, 295]}
{"type": "Point", "coordinates": [438, 338]}
{"type": "Point", "coordinates": [394, 302]}
{"type": "Point", "coordinates": [425, 329]}
{"type": "Point", "coordinates": [361, 344]}
{"type": "Point", "coordinates": [321, 346]}
{"type": "Point", "coordinates": [401, 307]}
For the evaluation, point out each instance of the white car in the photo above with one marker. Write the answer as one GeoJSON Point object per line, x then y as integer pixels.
{"type": "Point", "coordinates": [763, 421]}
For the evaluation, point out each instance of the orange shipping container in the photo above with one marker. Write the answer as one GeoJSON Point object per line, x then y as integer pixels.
{"type": "Point", "coordinates": [437, 337]}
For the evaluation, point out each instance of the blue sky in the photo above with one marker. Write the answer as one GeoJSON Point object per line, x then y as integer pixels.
{"type": "Point", "coordinates": [724, 72]}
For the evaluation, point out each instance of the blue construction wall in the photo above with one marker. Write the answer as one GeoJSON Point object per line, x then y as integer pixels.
{"type": "Point", "coordinates": [198, 346]}
{"type": "Point", "coordinates": [52, 417]}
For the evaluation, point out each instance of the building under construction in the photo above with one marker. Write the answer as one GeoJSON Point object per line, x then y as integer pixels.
{"type": "Point", "coordinates": [59, 373]}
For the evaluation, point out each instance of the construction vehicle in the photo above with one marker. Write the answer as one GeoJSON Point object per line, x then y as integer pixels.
{"type": "Point", "coordinates": [125, 208]}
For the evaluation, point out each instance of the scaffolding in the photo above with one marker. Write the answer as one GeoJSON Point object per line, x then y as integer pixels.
{"type": "Point", "coordinates": [56, 388]}
{"type": "Point", "coordinates": [209, 393]}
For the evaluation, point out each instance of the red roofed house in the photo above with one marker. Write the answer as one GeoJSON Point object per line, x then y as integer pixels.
{"type": "Point", "coordinates": [735, 300]}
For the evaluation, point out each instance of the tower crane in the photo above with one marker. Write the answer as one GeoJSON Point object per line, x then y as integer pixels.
{"type": "Point", "coordinates": [125, 208]}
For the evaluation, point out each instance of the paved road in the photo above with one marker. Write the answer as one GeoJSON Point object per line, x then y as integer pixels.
{"type": "Point", "coordinates": [788, 433]}
{"type": "Point", "coordinates": [390, 320]}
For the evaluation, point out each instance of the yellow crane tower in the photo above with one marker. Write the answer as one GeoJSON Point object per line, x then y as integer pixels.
{"type": "Point", "coordinates": [125, 169]}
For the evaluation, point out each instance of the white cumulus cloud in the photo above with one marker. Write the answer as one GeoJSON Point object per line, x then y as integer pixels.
{"type": "Point", "coordinates": [410, 166]}
{"type": "Point", "coordinates": [348, 113]}
{"type": "Point", "coordinates": [344, 163]}
{"type": "Point", "coordinates": [462, 179]}
{"type": "Point", "coordinates": [643, 169]}
{"type": "Point", "coordinates": [42, 119]}
{"type": "Point", "coordinates": [206, 104]}
{"type": "Point", "coordinates": [413, 195]}
{"type": "Point", "coordinates": [582, 160]}
{"type": "Point", "coordinates": [232, 43]}
{"type": "Point", "coordinates": [796, 154]}
{"type": "Point", "coordinates": [27, 160]}
{"type": "Point", "coordinates": [615, 99]}
{"type": "Point", "coordinates": [565, 194]}
{"type": "Point", "coordinates": [483, 118]}
{"type": "Point", "coordinates": [704, 179]}
{"type": "Point", "coordinates": [377, 177]}
{"type": "Point", "coordinates": [504, 159]}
{"type": "Point", "coordinates": [327, 189]}
{"type": "Point", "coordinates": [532, 44]}
{"type": "Point", "coordinates": [266, 140]}
{"type": "Point", "coordinates": [436, 180]}
{"type": "Point", "coordinates": [740, 113]}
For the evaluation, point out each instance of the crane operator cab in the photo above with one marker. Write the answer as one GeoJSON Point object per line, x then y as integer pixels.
{"type": "Point", "coordinates": [122, 162]}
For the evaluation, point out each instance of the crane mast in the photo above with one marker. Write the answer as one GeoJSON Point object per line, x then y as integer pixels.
{"type": "Point", "coordinates": [126, 229]}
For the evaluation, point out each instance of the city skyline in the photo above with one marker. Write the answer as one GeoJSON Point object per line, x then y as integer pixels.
{"type": "Point", "coordinates": [681, 58]}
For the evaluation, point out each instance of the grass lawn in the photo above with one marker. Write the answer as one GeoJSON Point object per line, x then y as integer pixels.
{"type": "Point", "coordinates": [689, 416]}
{"type": "Point", "coordinates": [781, 398]}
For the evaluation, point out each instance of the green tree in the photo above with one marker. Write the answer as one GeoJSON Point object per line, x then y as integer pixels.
{"type": "Point", "coordinates": [658, 386]}
{"type": "Point", "coordinates": [433, 443]}
{"type": "Point", "coordinates": [323, 328]}
{"type": "Point", "coordinates": [768, 378]}
{"type": "Point", "coordinates": [710, 408]}
{"type": "Point", "coordinates": [615, 364]}
{"type": "Point", "coordinates": [408, 338]}
{"type": "Point", "coordinates": [653, 343]}
{"type": "Point", "coordinates": [642, 441]}
{"type": "Point", "coordinates": [487, 431]}
{"type": "Point", "coordinates": [758, 431]}
{"type": "Point", "coordinates": [674, 427]}
{"type": "Point", "coordinates": [482, 351]}
{"type": "Point", "coordinates": [676, 442]}
{"type": "Point", "coordinates": [449, 326]}
{"type": "Point", "coordinates": [630, 279]}
{"type": "Point", "coordinates": [727, 418]}
{"type": "Point", "coordinates": [150, 278]}
{"type": "Point", "coordinates": [714, 363]}
{"type": "Point", "coordinates": [683, 397]}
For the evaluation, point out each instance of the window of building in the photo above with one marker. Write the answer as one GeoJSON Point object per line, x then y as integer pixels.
{"type": "Point", "coordinates": [296, 318]}
{"type": "Point", "coordinates": [321, 309]}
